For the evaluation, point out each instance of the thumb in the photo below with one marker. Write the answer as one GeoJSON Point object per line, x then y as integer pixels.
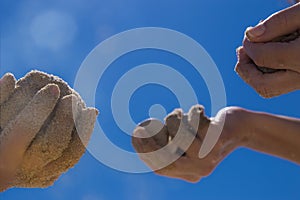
{"type": "Point", "coordinates": [279, 24]}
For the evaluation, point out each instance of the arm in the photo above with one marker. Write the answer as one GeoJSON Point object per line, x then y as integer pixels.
{"type": "Point", "coordinates": [271, 134]}
{"type": "Point", "coordinates": [274, 135]}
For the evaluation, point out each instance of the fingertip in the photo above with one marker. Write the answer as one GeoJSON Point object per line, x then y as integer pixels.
{"type": "Point", "coordinates": [242, 56]}
{"type": "Point", "coordinates": [91, 113]}
{"type": "Point", "coordinates": [54, 89]}
{"type": "Point", "coordinates": [85, 124]}
{"type": "Point", "coordinates": [7, 86]}
{"type": "Point", "coordinates": [151, 130]}
{"type": "Point", "coordinates": [152, 126]}
{"type": "Point", "coordinates": [240, 52]}
{"type": "Point", "coordinates": [139, 137]}
{"type": "Point", "coordinates": [96, 111]}
{"type": "Point", "coordinates": [139, 132]}
{"type": "Point", "coordinates": [8, 77]}
{"type": "Point", "coordinates": [237, 50]}
{"type": "Point", "coordinates": [197, 118]}
{"type": "Point", "coordinates": [173, 121]}
{"type": "Point", "coordinates": [254, 33]}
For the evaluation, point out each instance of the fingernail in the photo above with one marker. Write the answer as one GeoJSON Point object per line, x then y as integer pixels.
{"type": "Point", "coordinates": [54, 90]}
{"type": "Point", "coordinates": [256, 31]}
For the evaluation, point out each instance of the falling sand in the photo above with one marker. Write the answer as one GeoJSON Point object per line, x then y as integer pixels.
{"type": "Point", "coordinates": [60, 141]}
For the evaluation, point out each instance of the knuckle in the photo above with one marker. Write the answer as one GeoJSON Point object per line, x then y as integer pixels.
{"type": "Point", "coordinates": [265, 92]}
{"type": "Point", "coordinates": [176, 116]}
{"type": "Point", "coordinates": [193, 179]}
{"type": "Point", "coordinates": [206, 171]}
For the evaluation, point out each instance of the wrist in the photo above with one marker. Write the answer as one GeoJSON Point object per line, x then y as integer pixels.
{"type": "Point", "coordinates": [238, 125]}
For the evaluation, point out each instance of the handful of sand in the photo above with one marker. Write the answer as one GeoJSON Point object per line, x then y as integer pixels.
{"type": "Point", "coordinates": [60, 139]}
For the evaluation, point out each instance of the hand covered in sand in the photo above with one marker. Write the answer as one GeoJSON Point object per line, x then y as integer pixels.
{"type": "Point", "coordinates": [269, 60]}
{"type": "Point", "coordinates": [44, 127]}
{"type": "Point", "coordinates": [185, 162]}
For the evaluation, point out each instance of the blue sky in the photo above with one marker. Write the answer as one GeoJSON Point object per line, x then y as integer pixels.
{"type": "Point", "coordinates": [77, 26]}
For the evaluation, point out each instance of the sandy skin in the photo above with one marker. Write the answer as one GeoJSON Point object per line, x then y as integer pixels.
{"type": "Point", "coordinates": [44, 128]}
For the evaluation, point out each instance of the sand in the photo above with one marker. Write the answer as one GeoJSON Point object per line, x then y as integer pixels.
{"type": "Point", "coordinates": [57, 146]}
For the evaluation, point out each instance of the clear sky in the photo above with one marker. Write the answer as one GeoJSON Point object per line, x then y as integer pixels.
{"type": "Point", "coordinates": [56, 36]}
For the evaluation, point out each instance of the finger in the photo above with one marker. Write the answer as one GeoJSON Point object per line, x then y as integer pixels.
{"type": "Point", "coordinates": [281, 23]}
{"type": "Point", "coordinates": [26, 88]}
{"type": "Point", "coordinates": [275, 55]}
{"type": "Point", "coordinates": [80, 137]}
{"type": "Point", "coordinates": [214, 132]}
{"type": "Point", "coordinates": [245, 64]}
{"type": "Point", "coordinates": [143, 142]}
{"type": "Point", "coordinates": [243, 59]}
{"type": "Point", "coordinates": [155, 130]}
{"type": "Point", "coordinates": [54, 138]}
{"type": "Point", "coordinates": [37, 79]}
{"type": "Point", "coordinates": [18, 134]}
{"type": "Point", "coordinates": [7, 86]}
{"type": "Point", "coordinates": [242, 56]}
{"type": "Point", "coordinates": [155, 156]}
{"type": "Point", "coordinates": [198, 121]}
{"type": "Point", "coordinates": [184, 137]}
{"type": "Point", "coordinates": [85, 124]}
{"type": "Point", "coordinates": [154, 153]}
{"type": "Point", "coordinates": [269, 85]}
{"type": "Point", "coordinates": [173, 121]}
{"type": "Point", "coordinates": [279, 83]}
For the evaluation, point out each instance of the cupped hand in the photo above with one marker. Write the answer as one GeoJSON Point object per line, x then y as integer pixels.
{"type": "Point", "coordinates": [44, 127]}
{"type": "Point", "coordinates": [177, 160]}
{"type": "Point", "coordinates": [273, 44]}
{"type": "Point", "coordinates": [266, 84]}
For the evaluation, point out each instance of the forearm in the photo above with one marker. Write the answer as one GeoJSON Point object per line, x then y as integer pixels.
{"type": "Point", "coordinates": [275, 135]}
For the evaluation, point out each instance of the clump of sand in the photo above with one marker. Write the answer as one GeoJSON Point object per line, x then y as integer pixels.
{"type": "Point", "coordinates": [61, 141]}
